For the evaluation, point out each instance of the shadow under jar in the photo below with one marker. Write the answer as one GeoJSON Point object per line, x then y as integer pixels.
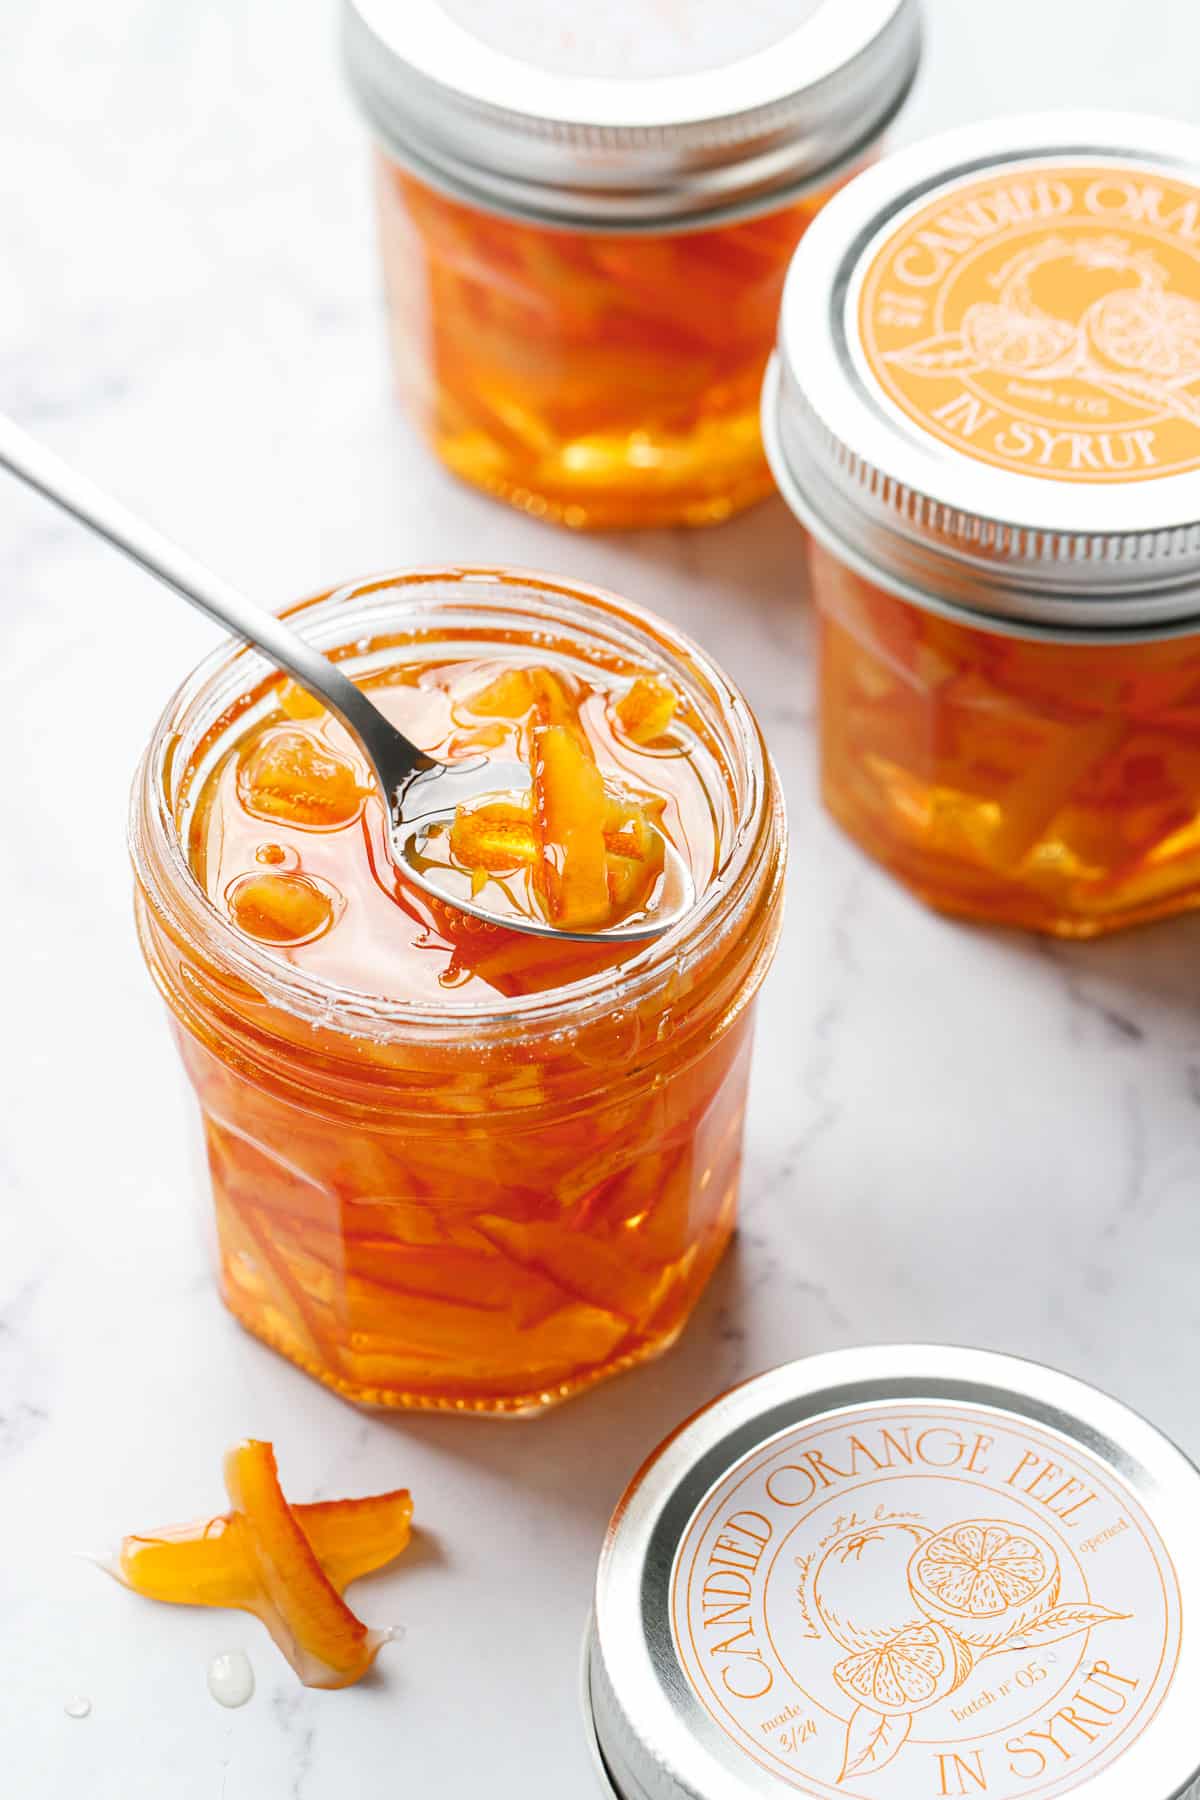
{"type": "Point", "coordinates": [585, 233]}
{"type": "Point", "coordinates": [454, 1166]}
{"type": "Point", "coordinates": [986, 408]}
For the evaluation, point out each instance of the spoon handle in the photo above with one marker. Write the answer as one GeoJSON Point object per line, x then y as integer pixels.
{"type": "Point", "coordinates": [213, 596]}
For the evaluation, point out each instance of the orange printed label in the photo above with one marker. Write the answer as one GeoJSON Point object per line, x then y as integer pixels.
{"type": "Point", "coordinates": [924, 1602]}
{"type": "Point", "coordinates": [1046, 320]}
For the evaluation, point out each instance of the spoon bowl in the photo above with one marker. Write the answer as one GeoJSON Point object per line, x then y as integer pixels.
{"type": "Point", "coordinates": [426, 810]}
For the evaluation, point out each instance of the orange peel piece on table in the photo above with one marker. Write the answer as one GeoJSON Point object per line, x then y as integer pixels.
{"type": "Point", "coordinates": [287, 1565]}
{"type": "Point", "coordinates": [208, 1562]}
{"type": "Point", "coordinates": [326, 1644]}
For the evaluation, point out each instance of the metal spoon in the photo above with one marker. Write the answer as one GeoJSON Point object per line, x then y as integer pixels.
{"type": "Point", "coordinates": [421, 792]}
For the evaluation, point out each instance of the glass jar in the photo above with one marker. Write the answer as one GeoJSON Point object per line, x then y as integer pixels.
{"type": "Point", "coordinates": [986, 409]}
{"type": "Point", "coordinates": [585, 242]}
{"type": "Point", "coordinates": [454, 1205]}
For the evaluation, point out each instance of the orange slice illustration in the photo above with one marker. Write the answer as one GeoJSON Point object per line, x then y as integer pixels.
{"type": "Point", "coordinates": [1005, 337]}
{"type": "Point", "coordinates": [1152, 334]}
{"type": "Point", "coordinates": [919, 1667]}
{"type": "Point", "coordinates": [985, 1580]}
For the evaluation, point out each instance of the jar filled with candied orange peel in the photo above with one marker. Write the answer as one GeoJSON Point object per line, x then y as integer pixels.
{"type": "Point", "coordinates": [585, 228]}
{"type": "Point", "coordinates": [986, 409]}
{"type": "Point", "coordinates": [456, 1166]}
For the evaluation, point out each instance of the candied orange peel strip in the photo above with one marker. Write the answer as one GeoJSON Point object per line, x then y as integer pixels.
{"type": "Point", "coordinates": [500, 837]}
{"type": "Point", "coordinates": [208, 1562]}
{"type": "Point", "coordinates": [591, 850]}
{"type": "Point", "coordinates": [647, 709]}
{"type": "Point", "coordinates": [518, 693]}
{"type": "Point", "coordinates": [326, 1644]}
{"type": "Point", "coordinates": [496, 838]}
{"type": "Point", "coordinates": [286, 1565]}
{"type": "Point", "coordinates": [280, 907]}
{"type": "Point", "coordinates": [291, 775]}
{"type": "Point", "coordinates": [569, 812]}
{"type": "Point", "coordinates": [297, 702]}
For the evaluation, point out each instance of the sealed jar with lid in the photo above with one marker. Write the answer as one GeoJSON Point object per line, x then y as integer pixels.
{"type": "Point", "coordinates": [902, 1573]}
{"type": "Point", "coordinates": [986, 409]}
{"type": "Point", "coordinates": [586, 228]}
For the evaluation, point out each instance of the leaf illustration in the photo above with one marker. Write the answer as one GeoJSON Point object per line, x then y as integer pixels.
{"type": "Point", "coordinates": [1060, 1622]}
{"type": "Point", "coordinates": [935, 354]}
{"type": "Point", "coordinates": [1174, 400]}
{"type": "Point", "coordinates": [872, 1740]}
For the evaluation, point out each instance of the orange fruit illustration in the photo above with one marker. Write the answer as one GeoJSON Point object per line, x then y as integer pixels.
{"type": "Point", "coordinates": [1004, 337]}
{"type": "Point", "coordinates": [916, 1669]}
{"type": "Point", "coordinates": [1151, 333]}
{"type": "Point", "coordinates": [860, 1589]}
{"type": "Point", "coordinates": [984, 1580]}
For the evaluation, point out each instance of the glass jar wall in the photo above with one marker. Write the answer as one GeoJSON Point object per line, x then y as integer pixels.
{"type": "Point", "coordinates": [506, 1169]}
{"type": "Point", "coordinates": [1047, 784]}
{"type": "Point", "coordinates": [585, 235]}
{"type": "Point", "coordinates": [592, 378]}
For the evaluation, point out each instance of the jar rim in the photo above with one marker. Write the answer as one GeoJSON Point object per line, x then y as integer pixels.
{"type": "Point", "coordinates": [926, 599]}
{"type": "Point", "coordinates": [336, 618]}
{"type": "Point", "coordinates": [620, 152]}
{"type": "Point", "coordinates": [972, 533]}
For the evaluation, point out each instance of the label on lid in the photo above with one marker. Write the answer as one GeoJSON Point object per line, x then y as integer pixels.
{"type": "Point", "coordinates": [1044, 320]}
{"type": "Point", "coordinates": [631, 39]}
{"type": "Point", "coordinates": [921, 1601]}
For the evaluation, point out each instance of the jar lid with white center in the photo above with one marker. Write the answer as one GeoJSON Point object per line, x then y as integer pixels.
{"type": "Point", "coordinates": [986, 395]}
{"type": "Point", "coordinates": [653, 115]}
{"type": "Point", "coordinates": [899, 1573]}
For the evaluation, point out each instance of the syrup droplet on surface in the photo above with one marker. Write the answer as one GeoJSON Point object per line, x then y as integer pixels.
{"type": "Point", "coordinates": [231, 1678]}
{"type": "Point", "coordinates": [271, 854]}
{"type": "Point", "coordinates": [78, 1707]}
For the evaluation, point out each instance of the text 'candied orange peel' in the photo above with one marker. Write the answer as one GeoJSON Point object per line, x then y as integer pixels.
{"type": "Point", "coordinates": [288, 1565]}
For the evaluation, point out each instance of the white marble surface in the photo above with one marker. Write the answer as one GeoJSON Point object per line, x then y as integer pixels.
{"type": "Point", "coordinates": [954, 1134]}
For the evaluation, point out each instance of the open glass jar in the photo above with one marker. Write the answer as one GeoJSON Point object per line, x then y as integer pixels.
{"type": "Point", "coordinates": [986, 409]}
{"type": "Point", "coordinates": [585, 235]}
{"type": "Point", "coordinates": [463, 1176]}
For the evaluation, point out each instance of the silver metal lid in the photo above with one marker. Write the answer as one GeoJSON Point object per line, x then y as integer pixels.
{"type": "Point", "coordinates": [624, 151]}
{"type": "Point", "coordinates": [987, 389]}
{"type": "Point", "coordinates": [903, 1573]}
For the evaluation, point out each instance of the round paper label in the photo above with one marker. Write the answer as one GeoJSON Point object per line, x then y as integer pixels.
{"type": "Point", "coordinates": [1045, 320]}
{"type": "Point", "coordinates": [921, 1603]}
{"type": "Point", "coordinates": [631, 39]}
